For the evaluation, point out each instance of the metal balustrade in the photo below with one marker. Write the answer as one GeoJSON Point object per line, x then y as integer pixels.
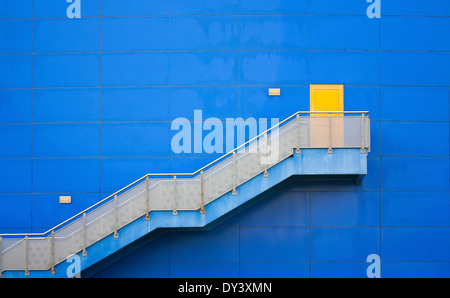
{"type": "Point", "coordinates": [175, 192]}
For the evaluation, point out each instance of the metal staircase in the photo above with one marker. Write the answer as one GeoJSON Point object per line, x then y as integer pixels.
{"type": "Point", "coordinates": [175, 192]}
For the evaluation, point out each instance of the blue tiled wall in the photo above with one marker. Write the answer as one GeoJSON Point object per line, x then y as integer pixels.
{"type": "Point", "coordinates": [86, 107]}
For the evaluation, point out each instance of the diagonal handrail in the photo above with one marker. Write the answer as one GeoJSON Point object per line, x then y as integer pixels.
{"type": "Point", "coordinates": [180, 174]}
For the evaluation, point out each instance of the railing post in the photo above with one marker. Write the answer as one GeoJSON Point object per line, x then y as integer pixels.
{"type": "Point", "coordinates": [84, 235]}
{"type": "Point", "coordinates": [26, 256]}
{"type": "Point", "coordinates": [363, 135]}
{"type": "Point", "coordinates": [297, 150]}
{"type": "Point", "coordinates": [131, 206]}
{"type": "Point", "coordinates": [202, 209]}
{"type": "Point", "coordinates": [330, 150]}
{"type": "Point", "coordinates": [266, 159]}
{"type": "Point", "coordinates": [52, 257]}
{"type": "Point", "coordinates": [175, 211]}
{"type": "Point", "coordinates": [116, 235]}
{"type": "Point", "coordinates": [1, 252]}
{"type": "Point", "coordinates": [233, 176]}
{"type": "Point", "coordinates": [147, 199]}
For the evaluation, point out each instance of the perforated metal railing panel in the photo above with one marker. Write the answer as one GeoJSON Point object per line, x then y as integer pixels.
{"type": "Point", "coordinates": [184, 192]}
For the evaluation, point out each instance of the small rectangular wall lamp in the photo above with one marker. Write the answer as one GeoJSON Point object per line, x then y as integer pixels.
{"type": "Point", "coordinates": [65, 199]}
{"type": "Point", "coordinates": [274, 92]}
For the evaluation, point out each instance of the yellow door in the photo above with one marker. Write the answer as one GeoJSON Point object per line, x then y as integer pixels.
{"type": "Point", "coordinates": [327, 98]}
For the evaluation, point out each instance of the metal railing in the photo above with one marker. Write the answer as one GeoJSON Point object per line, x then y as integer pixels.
{"type": "Point", "coordinates": [182, 191]}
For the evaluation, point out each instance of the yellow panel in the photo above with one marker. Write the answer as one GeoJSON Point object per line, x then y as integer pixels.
{"type": "Point", "coordinates": [274, 92]}
{"type": "Point", "coordinates": [326, 98]}
{"type": "Point", "coordinates": [65, 199]}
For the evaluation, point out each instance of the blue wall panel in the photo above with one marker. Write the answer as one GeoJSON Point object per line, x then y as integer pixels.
{"type": "Point", "coordinates": [339, 67]}
{"type": "Point", "coordinates": [50, 140]}
{"type": "Point", "coordinates": [136, 270]}
{"type": "Point", "coordinates": [415, 138]}
{"type": "Point", "coordinates": [415, 68]}
{"type": "Point", "coordinates": [363, 98]}
{"type": "Point", "coordinates": [86, 107]}
{"type": "Point", "coordinates": [158, 252]}
{"type": "Point", "coordinates": [135, 69]}
{"type": "Point", "coordinates": [413, 173]}
{"type": "Point", "coordinates": [16, 141]}
{"type": "Point", "coordinates": [298, 186]}
{"type": "Point", "coordinates": [274, 7]}
{"type": "Point", "coordinates": [406, 33]}
{"type": "Point", "coordinates": [135, 139]}
{"type": "Point", "coordinates": [398, 7]}
{"type": "Point", "coordinates": [343, 270]}
{"type": "Point", "coordinates": [331, 32]}
{"type": "Point", "coordinates": [135, 104]}
{"type": "Point", "coordinates": [416, 270]}
{"type": "Point", "coordinates": [15, 175]}
{"type": "Point", "coordinates": [345, 209]}
{"type": "Point", "coordinates": [289, 209]}
{"type": "Point", "coordinates": [15, 212]}
{"type": "Point", "coordinates": [415, 209]}
{"type": "Point", "coordinates": [204, 270]}
{"type": "Point", "coordinates": [204, 68]}
{"type": "Point", "coordinates": [66, 70]}
{"type": "Point", "coordinates": [66, 105]}
{"type": "Point", "coordinates": [375, 138]}
{"type": "Point", "coordinates": [343, 7]}
{"type": "Point", "coordinates": [274, 244]}
{"type": "Point", "coordinates": [16, 9]}
{"type": "Point", "coordinates": [16, 106]}
{"type": "Point", "coordinates": [132, 34]}
{"type": "Point", "coordinates": [416, 244]}
{"type": "Point", "coordinates": [204, 33]}
{"type": "Point", "coordinates": [15, 36]}
{"type": "Point", "coordinates": [57, 9]}
{"type": "Point", "coordinates": [66, 35]}
{"type": "Point", "coordinates": [135, 8]}
{"type": "Point", "coordinates": [407, 103]}
{"type": "Point", "coordinates": [417, 8]}
{"type": "Point", "coordinates": [263, 32]}
{"type": "Point", "coordinates": [66, 175]}
{"type": "Point", "coordinates": [274, 270]}
{"type": "Point", "coordinates": [199, 7]}
{"type": "Point", "coordinates": [349, 244]}
{"type": "Point", "coordinates": [219, 102]}
{"type": "Point", "coordinates": [222, 243]}
{"type": "Point", "coordinates": [15, 71]}
{"type": "Point", "coordinates": [274, 67]}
